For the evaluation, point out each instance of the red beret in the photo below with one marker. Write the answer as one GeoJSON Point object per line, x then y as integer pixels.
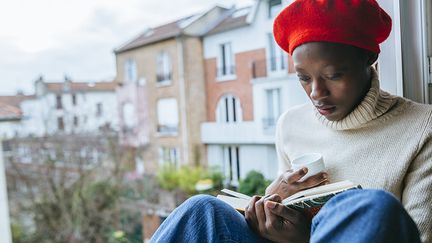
{"type": "Point", "coordinates": [361, 23]}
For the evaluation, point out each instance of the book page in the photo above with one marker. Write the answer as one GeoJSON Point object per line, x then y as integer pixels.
{"type": "Point", "coordinates": [237, 203]}
{"type": "Point", "coordinates": [319, 190]}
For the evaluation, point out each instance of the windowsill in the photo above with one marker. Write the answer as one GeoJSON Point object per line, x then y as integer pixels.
{"type": "Point", "coordinates": [224, 78]}
{"type": "Point", "coordinates": [164, 83]}
{"type": "Point", "coordinates": [166, 134]}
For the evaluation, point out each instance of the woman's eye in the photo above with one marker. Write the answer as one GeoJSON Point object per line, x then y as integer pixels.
{"type": "Point", "coordinates": [303, 78]}
{"type": "Point", "coordinates": [334, 76]}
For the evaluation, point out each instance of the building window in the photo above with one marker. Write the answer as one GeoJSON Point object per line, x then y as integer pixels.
{"type": "Point", "coordinates": [275, 6]}
{"type": "Point", "coordinates": [277, 59]}
{"type": "Point", "coordinates": [229, 109]}
{"type": "Point", "coordinates": [75, 121]}
{"type": "Point", "coordinates": [164, 67]}
{"type": "Point", "coordinates": [74, 99]}
{"type": "Point", "coordinates": [168, 155]}
{"type": "Point", "coordinates": [231, 166]}
{"type": "Point", "coordinates": [129, 117]}
{"type": "Point", "coordinates": [60, 124]}
{"type": "Point", "coordinates": [168, 118]}
{"type": "Point", "coordinates": [130, 70]}
{"type": "Point", "coordinates": [99, 109]}
{"type": "Point", "coordinates": [226, 65]}
{"type": "Point", "coordinates": [272, 108]}
{"type": "Point", "coordinates": [59, 104]}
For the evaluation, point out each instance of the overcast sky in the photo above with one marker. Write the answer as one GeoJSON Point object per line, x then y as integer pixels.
{"type": "Point", "coordinates": [77, 37]}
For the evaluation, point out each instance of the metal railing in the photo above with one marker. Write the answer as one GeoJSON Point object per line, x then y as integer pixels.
{"type": "Point", "coordinates": [262, 68]}
{"type": "Point", "coordinates": [225, 71]}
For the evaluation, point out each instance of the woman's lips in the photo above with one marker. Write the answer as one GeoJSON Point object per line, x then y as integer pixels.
{"type": "Point", "coordinates": [326, 110]}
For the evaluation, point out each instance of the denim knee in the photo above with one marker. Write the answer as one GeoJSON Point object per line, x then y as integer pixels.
{"type": "Point", "coordinates": [200, 202]}
{"type": "Point", "coordinates": [374, 199]}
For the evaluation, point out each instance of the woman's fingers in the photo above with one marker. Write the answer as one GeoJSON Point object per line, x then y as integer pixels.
{"type": "Point", "coordinates": [313, 181]}
{"type": "Point", "coordinates": [295, 176]}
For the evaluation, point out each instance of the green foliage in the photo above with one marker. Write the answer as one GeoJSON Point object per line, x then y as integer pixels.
{"type": "Point", "coordinates": [253, 184]}
{"type": "Point", "coordinates": [188, 177]}
{"type": "Point", "coordinates": [167, 177]}
{"type": "Point", "coordinates": [185, 178]}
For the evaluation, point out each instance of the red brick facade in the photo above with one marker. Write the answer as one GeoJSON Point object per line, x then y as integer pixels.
{"type": "Point", "coordinates": [241, 87]}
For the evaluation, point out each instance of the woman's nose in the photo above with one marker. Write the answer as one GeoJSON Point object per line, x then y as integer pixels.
{"type": "Point", "coordinates": [318, 90]}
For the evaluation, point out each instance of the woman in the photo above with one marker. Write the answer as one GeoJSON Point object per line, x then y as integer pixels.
{"type": "Point", "coordinates": [366, 135]}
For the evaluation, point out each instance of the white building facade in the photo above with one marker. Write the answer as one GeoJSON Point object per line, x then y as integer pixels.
{"type": "Point", "coordinates": [244, 145]}
{"type": "Point", "coordinates": [69, 107]}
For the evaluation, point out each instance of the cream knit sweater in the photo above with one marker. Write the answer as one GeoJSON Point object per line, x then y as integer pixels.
{"type": "Point", "coordinates": [385, 143]}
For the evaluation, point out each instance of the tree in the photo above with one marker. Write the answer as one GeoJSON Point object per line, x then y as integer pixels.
{"type": "Point", "coordinates": [66, 188]}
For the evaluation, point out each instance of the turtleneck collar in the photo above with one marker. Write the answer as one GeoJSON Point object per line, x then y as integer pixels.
{"type": "Point", "coordinates": [374, 105]}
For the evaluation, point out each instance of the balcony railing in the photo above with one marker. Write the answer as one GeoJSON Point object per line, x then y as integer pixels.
{"type": "Point", "coordinates": [225, 71]}
{"type": "Point", "coordinates": [262, 68]}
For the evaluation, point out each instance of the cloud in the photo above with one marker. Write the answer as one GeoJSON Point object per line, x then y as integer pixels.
{"type": "Point", "coordinates": [57, 37]}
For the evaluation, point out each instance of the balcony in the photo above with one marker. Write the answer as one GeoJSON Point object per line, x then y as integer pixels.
{"type": "Point", "coordinates": [277, 66]}
{"type": "Point", "coordinates": [235, 133]}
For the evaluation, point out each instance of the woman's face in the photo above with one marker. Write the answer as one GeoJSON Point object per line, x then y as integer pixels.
{"type": "Point", "coordinates": [336, 77]}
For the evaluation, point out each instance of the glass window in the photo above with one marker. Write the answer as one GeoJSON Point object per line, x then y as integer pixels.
{"type": "Point", "coordinates": [168, 155]}
{"type": "Point", "coordinates": [167, 114]}
{"type": "Point", "coordinates": [128, 116]}
{"type": "Point", "coordinates": [226, 61]}
{"type": "Point", "coordinates": [232, 164]}
{"type": "Point", "coordinates": [272, 107]}
{"type": "Point", "coordinates": [59, 104]}
{"type": "Point", "coordinates": [228, 109]}
{"type": "Point", "coordinates": [130, 68]}
{"type": "Point", "coordinates": [99, 109]}
{"type": "Point", "coordinates": [274, 7]}
{"type": "Point", "coordinates": [164, 68]}
{"type": "Point", "coordinates": [277, 59]}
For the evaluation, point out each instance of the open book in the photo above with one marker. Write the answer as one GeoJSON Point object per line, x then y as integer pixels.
{"type": "Point", "coordinates": [307, 201]}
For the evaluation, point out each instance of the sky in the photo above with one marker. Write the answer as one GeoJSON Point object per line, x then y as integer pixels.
{"type": "Point", "coordinates": [54, 38]}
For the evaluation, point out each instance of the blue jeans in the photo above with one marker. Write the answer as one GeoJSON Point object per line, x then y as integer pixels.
{"type": "Point", "coordinates": [352, 216]}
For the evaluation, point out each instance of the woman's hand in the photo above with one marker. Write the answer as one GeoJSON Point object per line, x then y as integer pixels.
{"type": "Point", "coordinates": [288, 183]}
{"type": "Point", "coordinates": [276, 222]}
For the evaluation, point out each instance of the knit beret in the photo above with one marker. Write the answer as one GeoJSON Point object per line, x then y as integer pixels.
{"type": "Point", "coordinates": [361, 23]}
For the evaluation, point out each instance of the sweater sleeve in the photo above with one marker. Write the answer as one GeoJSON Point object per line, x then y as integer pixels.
{"type": "Point", "coordinates": [417, 192]}
{"type": "Point", "coordinates": [283, 160]}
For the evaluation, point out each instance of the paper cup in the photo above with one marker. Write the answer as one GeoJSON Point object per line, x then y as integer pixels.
{"type": "Point", "coordinates": [313, 161]}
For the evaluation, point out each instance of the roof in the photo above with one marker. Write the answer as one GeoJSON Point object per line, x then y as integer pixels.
{"type": "Point", "coordinates": [15, 100]}
{"type": "Point", "coordinates": [237, 19]}
{"type": "Point", "coordinates": [70, 86]}
{"type": "Point", "coordinates": [9, 112]}
{"type": "Point", "coordinates": [156, 34]}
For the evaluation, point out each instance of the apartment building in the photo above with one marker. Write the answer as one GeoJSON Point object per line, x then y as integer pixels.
{"type": "Point", "coordinates": [161, 96]}
{"type": "Point", "coordinates": [249, 83]}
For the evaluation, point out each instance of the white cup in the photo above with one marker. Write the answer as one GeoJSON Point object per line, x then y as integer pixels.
{"type": "Point", "coordinates": [313, 161]}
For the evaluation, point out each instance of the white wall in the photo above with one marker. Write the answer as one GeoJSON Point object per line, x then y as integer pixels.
{"type": "Point", "coordinates": [241, 37]}
{"type": "Point", "coordinates": [40, 115]}
{"type": "Point", "coordinates": [261, 158]}
{"type": "Point", "coordinates": [5, 230]}
{"type": "Point", "coordinates": [291, 94]}
{"type": "Point", "coordinates": [8, 129]}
